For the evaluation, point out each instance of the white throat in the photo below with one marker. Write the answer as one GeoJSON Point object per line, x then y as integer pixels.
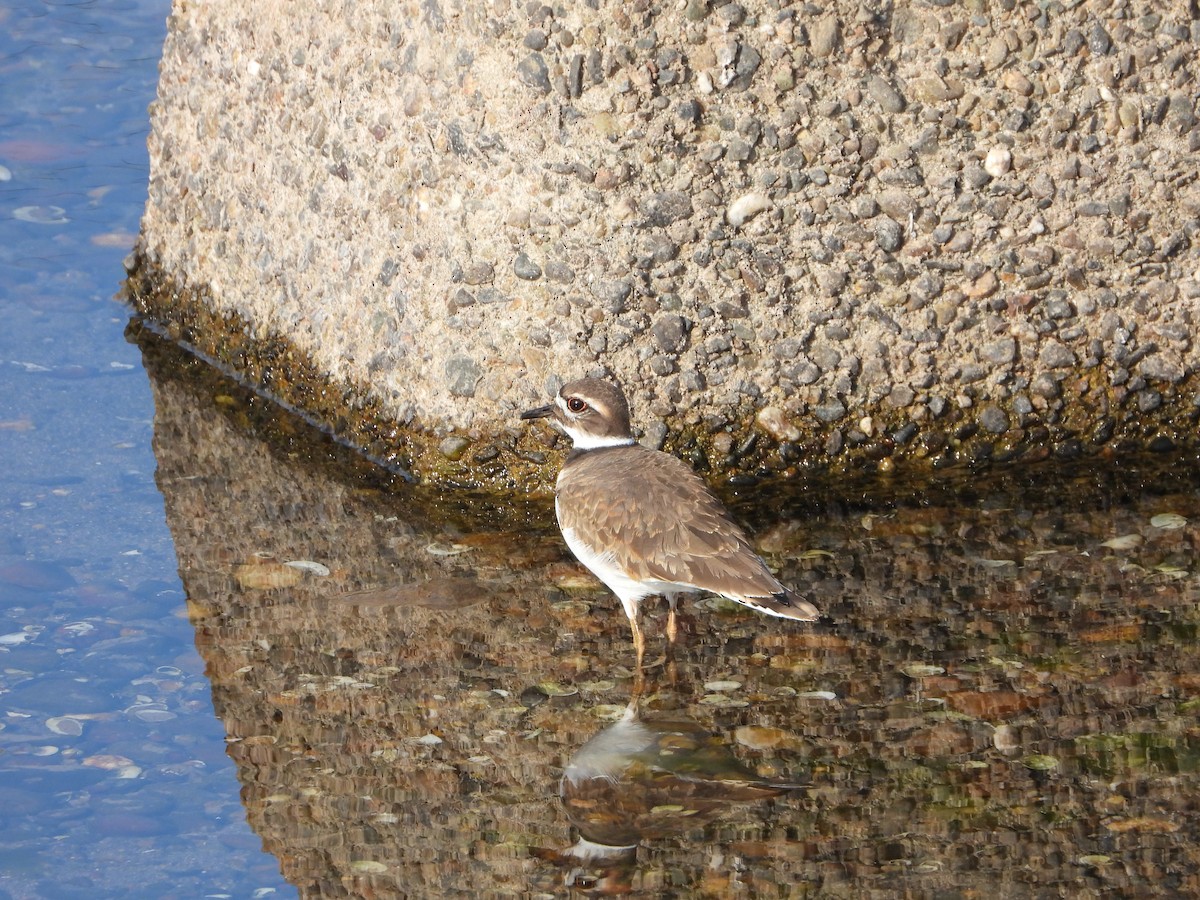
{"type": "Point", "coordinates": [585, 441]}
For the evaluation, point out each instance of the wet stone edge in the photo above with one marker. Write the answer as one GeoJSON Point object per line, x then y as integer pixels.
{"type": "Point", "coordinates": [1097, 422]}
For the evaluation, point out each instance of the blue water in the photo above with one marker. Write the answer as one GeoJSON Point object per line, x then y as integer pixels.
{"type": "Point", "coordinates": [113, 775]}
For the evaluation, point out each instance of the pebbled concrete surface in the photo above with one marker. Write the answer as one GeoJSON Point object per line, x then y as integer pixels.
{"type": "Point", "coordinates": [862, 232]}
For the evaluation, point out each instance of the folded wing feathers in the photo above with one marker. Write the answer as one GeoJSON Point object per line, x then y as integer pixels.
{"type": "Point", "coordinates": [671, 528]}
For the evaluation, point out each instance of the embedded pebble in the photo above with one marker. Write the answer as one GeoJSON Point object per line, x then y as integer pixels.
{"type": "Point", "coordinates": [309, 566]}
{"type": "Point", "coordinates": [745, 66]}
{"type": "Point", "coordinates": [1040, 762]}
{"type": "Point", "coordinates": [922, 670]}
{"type": "Point", "coordinates": [453, 447]}
{"type": "Point", "coordinates": [1123, 542]}
{"type": "Point", "coordinates": [478, 273]}
{"type": "Point", "coordinates": [1046, 386]}
{"type": "Point", "coordinates": [613, 294]}
{"type": "Point", "coordinates": [1168, 521]}
{"type": "Point", "coordinates": [559, 272]}
{"type": "Point", "coordinates": [993, 419]}
{"type": "Point", "coordinates": [824, 36]}
{"type": "Point", "coordinates": [266, 575]}
{"type": "Point", "coordinates": [830, 281]}
{"type": "Point", "coordinates": [998, 161]}
{"type": "Point", "coordinates": [722, 686]}
{"type": "Point", "coordinates": [525, 268]}
{"type": "Point", "coordinates": [1000, 351]}
{"type": "Point", "coordinates": [669, 206]}
{"type": "Point", "coordinates": [745, 208]}
{"type": "Point", "coordinates": [777, 424]}
{"type": "Point", "coordinates": [65, 725]}
{"type": "Point", "coordinates": [533, 72]}
{"type": "Point", "coordinates": [1099, 40]}
{"type": "Point", "coordinates": [886, 94]}
{"type": "Point", "coordinates": [888, 234]}
{"type": "Point", "coordinates": [670, 331]}
{"type": "Point", "coordinates": [462, 374]}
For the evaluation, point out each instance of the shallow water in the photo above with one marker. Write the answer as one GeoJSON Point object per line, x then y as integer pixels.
{"type": "Point", "coordinates": [1003, 695]}
{"type": "Point", "coordinates": [113, 775]}
{"type": "Point", "coordinates": [1003, 698]}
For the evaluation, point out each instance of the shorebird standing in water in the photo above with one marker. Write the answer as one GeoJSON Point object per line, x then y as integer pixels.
{"type": "Point", "coordinates": [643, 522]}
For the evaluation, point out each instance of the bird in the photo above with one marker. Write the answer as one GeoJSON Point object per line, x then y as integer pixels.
{"type": "Point", "coordinates": [643, 522]}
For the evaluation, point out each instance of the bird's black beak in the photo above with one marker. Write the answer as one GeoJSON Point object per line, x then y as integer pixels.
{"type": "Point", "coordinates": [540, 413]}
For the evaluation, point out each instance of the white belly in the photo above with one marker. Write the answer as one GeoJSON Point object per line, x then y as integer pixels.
{"type": "Point", "coordinates": [604, 566]}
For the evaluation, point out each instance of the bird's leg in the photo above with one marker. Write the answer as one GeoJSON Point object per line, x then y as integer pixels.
{"type": "Point", "coordinates": [672, 624]}
{"type": "Point", "coordinates": [639, 640]}
{"type": "Point", "coordinates": [639, 648]}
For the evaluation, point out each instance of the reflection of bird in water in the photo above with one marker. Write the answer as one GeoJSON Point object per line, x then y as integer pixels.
{"type": "Point", "coordinates": [643, 779]}
{"type": "Point", "coordinates": [644, 522]}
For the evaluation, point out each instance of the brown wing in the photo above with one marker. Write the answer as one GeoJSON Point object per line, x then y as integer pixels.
{"type": "Point", "coordinates": [660, 521]}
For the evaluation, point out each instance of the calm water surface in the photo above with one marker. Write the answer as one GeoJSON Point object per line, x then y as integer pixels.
{"type": "Point", "coordinates": [425, 696]}
{"type": "Point", "coordinates": [114, 780]}
{"type": "Point", "coordinates": [221, 634]}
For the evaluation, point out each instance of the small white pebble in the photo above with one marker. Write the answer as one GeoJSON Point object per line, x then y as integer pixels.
{"type": "Point", "coordinates": [816, 695]}
{"type": "Point", "coordinates": [745, 208]}
{"type": "Point", "coordinates": [722, 686]}
{"type": "Point", "coordinates": [307, 565]}
{"type": "Point", "coordinates": [998, 162]}
{"type": "Point", "coordinates": [775, 421]}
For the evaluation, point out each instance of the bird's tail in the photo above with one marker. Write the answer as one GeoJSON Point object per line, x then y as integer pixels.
{"type": "Point", "coordinates": [785, 604]}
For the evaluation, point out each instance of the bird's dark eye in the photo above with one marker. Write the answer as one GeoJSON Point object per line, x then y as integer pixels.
{"type": "Point", "coordinates": [575, 405]}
